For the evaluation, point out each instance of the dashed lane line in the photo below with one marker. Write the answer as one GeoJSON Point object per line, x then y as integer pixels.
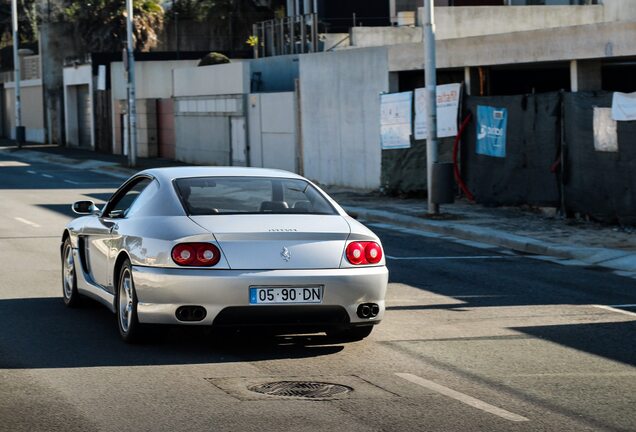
{"type": "Point", "coordinates": [27, 222]}
{"type": "Point", "coordinates": [47, 175]}
{"type": "Point", "coordinates": [463, 398]}
{"type": "Point", "coordinates": [426, 258]}
{"type": "Point", "coordinates": [617, 309]}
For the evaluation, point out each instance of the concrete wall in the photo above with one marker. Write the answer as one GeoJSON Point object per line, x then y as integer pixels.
{"type": "Point", "coordinates": [340, 113]}
{"type": "Point", "coordinates": [458, 22]}
{"type": "Point", "coordinates": [277, 74]}
{"type": "Point", "coordinates": [224, 79]}
{"type": "Point", "coordinates": [153, 78]}
{"type": "Point", "coordinates": [57, 42]}
{"type": "Point", "coordinates": [32, 96]}
{"type": "Point", "coordinates": [73, 78]}
{"type": "Point", "coordinates": [362, 37]}
{"type": "Point", "coordinates": [272, 130]}
{"type": "Point", "coordinates": [592, 41]}
{"type": "Point", "coordinates": [206, 100]}
{"type": "Point", "coordinates": [469, 21]}
{"type": "Point", "coordinates": [153, 81]}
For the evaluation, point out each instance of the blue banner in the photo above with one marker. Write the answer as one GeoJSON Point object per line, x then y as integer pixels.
{"type": "Point", "coordinates": [491, 131]}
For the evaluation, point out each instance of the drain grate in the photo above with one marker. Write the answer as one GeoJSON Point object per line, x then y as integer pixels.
{"type": "Point", "coordinates": [301, 389]}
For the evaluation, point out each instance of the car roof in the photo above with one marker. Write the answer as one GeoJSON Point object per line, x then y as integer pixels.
{"type": "Point", "coordinates": [172, 173]}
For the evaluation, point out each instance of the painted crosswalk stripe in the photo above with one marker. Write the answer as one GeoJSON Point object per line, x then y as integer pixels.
{"type": "Point", "coordinates": [464, 398]}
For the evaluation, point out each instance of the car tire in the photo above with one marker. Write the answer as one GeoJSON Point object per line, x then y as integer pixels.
{"type": "Point", "coordinates": [126, 306]}
{"type": "Point", "coordinates": [70, 294]}
{"type": "Point", "coordinates": [351, 334]}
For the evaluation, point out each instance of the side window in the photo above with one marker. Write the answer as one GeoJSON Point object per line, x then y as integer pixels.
{"type": "Point", "coordinates": [121, 206]}
{"type": "Point", "coordinates": [145, 196]}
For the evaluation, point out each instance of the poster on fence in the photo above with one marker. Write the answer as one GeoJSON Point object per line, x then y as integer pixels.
{"type": "Point", "coordinates": [447, 109]}
{"type": "Point", "coordinates": [491, 131]}
{"type": "Point", "coordinates": [396, 120]}
{"type": "Point", "coordinates": [624, 106]}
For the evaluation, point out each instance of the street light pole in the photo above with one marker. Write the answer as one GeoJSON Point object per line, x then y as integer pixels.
{"type": "Point", "coordinates": [19, 130]}
{"type": "Point", "coordinates": [132, 100]}
{"type": "Point", "coordinates": [430, 79]}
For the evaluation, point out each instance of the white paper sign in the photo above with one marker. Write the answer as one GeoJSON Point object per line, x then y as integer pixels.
{"type": "Point", "coordinates": [447, 108]}
{"type": "Point", "coordinates": [624, 106]}
{"type": "Point", "coordinates": [396, 120]}
{"type": "Point", "coordinates": [605, 136]}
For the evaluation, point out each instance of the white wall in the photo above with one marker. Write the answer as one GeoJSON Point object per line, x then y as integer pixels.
{"type": "Point", "coordinates": [340, 111]}
{"type": "Point", "coordinates": [153, 79]}
{"type": "Point", "coordinates": [32, 97]}
{"type": "Point", "coordinates": [272, 130]}
{"type": "Point", "coordinates": [73, 77]}
{"type": "Point", "coordinates": [224, 79]}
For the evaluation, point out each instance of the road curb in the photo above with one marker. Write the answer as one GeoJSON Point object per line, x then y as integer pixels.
{"type": "Point", "coordinates": [602, 257]}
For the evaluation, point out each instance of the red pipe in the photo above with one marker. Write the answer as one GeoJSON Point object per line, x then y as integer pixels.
{"type": "Point", "coordinates": [458, 176]}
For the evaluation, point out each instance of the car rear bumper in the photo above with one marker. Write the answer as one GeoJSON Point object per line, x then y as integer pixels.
{"type": "Point", "coordinates": [160, 291]}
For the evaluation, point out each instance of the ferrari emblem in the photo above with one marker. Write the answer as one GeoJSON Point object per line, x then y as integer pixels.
{"type": "Point", "coordinates": [285, 254]}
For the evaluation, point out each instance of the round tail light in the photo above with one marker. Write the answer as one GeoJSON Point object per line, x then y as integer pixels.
{"type": "Point", "coordinates": [360, 253]}
{"type": "Point", "coordinates": [373, 253]}
{"type": "Point", "coordinates": [196, 254]}
{"type": "Point", "coordinates": [355, 253]}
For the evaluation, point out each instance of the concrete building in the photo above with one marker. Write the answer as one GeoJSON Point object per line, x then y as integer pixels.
{"type": "Point", "coordinates": [32, 97]}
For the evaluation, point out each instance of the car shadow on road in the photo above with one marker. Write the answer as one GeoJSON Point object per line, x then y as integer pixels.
{"type": "Point", "coordinates": [611, 340]}
{"type": "Point", "coordinates": [43, 333]}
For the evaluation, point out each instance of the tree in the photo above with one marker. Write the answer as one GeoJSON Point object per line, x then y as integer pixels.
{"type": "Point", "coordinates": [232, 19]}
{"type": "Point", "coordinates": [28, 22]}
{"type": "Point", "coordinates": [101, 24]}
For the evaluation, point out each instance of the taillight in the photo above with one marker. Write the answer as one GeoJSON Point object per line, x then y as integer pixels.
{"type": "Point", "coordinates": [360, 253]}
{"type": "Point", "coordinates": [196, 254]}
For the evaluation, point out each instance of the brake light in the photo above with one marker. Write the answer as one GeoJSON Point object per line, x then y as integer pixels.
{"type": "Point", "coordinates": [360, 253]}
{"type": "Point", "coordinates": [196, 254]}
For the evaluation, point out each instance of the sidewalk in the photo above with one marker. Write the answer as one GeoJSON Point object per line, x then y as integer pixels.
{"type": "Point", "coordinates": [574, 242]}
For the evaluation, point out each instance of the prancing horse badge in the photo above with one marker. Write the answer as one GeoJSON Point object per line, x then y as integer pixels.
{"type": "Point", "coordinates": [285, 254]}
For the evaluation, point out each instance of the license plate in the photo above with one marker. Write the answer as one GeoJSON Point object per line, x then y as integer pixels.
{"type": "Point", "coordinates": [278, 295]}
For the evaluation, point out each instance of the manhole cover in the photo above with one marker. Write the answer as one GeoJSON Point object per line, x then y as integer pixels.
{"type": "Point", "coordinates": [301, 389]}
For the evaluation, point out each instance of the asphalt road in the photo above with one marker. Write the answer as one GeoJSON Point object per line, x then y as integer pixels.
{"type": "Point", "coordinates": [475, 338]}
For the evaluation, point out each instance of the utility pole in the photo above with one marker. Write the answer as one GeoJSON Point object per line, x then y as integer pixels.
{"type": "Point", "coordinates": [19, 130]}
{"type": "Point", "coordinates": [132, 101]}
{"type": "Point", "coordinates": [430, 78]}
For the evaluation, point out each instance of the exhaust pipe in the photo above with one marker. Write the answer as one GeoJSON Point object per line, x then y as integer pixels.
{"type": "Point", "coordinates": [191, 313]}
{"type": "Point", "coordinates": [368, 310]}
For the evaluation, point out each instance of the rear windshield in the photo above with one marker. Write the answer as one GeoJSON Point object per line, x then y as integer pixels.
{"type": "Point", "coordinates": [250, 195]}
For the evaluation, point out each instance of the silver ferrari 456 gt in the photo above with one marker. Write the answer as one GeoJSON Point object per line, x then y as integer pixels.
{"type": "Point", "coordinates": [229, 248]}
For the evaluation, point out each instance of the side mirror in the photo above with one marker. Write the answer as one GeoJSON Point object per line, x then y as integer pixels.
{"type": "Point", "coordinates": [85, 208]}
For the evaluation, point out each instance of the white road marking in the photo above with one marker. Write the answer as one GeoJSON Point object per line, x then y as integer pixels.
{"type": "Point", "coordinates": [71, 182]}
{"type": "Point", "coordinates": [4, 164]}
{"type": "Point", "coordinates": [47, 175]}
{"type": "Point", "coordinates": [454, 257]}
{"type": "Point", "coordinates": [614, 309]}
{"type": "Point", "coordinates": [27, 222]}
{"type": "Point", "coordinates": [464, 398]}
{"type": "Point", "coordinates": [31, 172]}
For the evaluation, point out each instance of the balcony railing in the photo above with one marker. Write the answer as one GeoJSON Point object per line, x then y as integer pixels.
{"type": "Point", "coordinates": [288, 35]}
